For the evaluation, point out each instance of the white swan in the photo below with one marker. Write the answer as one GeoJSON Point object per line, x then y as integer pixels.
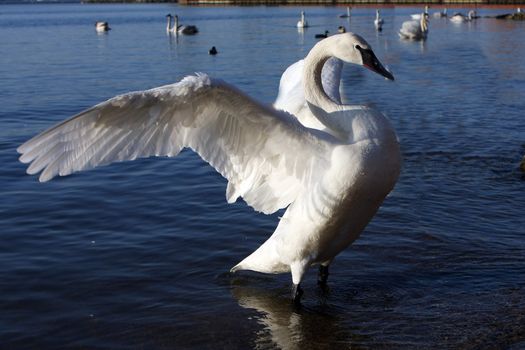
{"type": "Point", "coordinates": [420, 15]}
{"type": "Point", "coordinates": [460, 18]}
{"type": "Point", "coordinates": [378, 22]}
{"type": "Point", "coordinates": [332, 181]}
{"type": "Point", "coordinates": [441, 14]}
{"type": "Point", "coordinates": [179, 29]}
{"type": "Point", "coordinates": [415, 29]}
{"type": "Point", "coordinates": [347, 14]}
{"type": "Point", "coordinates": [102, 27]}
{"type": "Point", "coordinates": [302, 22]}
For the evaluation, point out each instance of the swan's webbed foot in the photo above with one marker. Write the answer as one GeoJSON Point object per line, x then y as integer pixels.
{"type": "Point", "coordinates": [322, 277]}
{"type": "Point", "coordinates": [297, 292]}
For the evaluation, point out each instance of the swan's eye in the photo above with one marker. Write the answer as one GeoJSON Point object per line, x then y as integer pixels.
{"type": "Point", "coordinates": [358, 47]}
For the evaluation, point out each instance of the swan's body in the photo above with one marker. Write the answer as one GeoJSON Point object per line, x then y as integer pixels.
{"type": "Point", "coordinates": [441, 14]}
{"type": "Point", "coordinates": [179, 29]}
{"type": "Point", "coordinates": [460, 18]}
{"type": "Point", "coordinates": [347, 14]}
{"type": "Point", "coordinates": [331, 179]}
{"type": "Point", "coordinates": [102, 27]}
{"type": "Point", "coordinates": [302, 22]}
{"type": "Point", "coordinates": [378, 22]}
{"type": "Point", "coordinates": [415, 29]}
{"type": "Point", "coordinates": [418, 16]}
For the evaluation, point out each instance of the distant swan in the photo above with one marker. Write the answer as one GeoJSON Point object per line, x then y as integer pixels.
{"type": "Point", "coordinates": [102, 27]}
{"type": "Point", "coordinates": [378, 22]}
{"type": "Point", "coordinates": [460, 18]}
{"type": "Point", "coordinates": [419, 15]}
{"type": "Point", "coordinates": [441, 14]}
{"type": "Point", "coordinates": [179, 29]}
{"type": "Point", "coordinates": [347, 14]}
{"type": "Point", "coordinates": [415, 29]}
{"type": "Point", "coordinates": [302, 22]}
{"type": "Point", "coordinates": [332, 181]}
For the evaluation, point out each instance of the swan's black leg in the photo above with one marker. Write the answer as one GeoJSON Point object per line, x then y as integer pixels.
{"type": "Point", "coordinates": [322, 277]}
{"type": "Point", "coordinates": [297, 292]}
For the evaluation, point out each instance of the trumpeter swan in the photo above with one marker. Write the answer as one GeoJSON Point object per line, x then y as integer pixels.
{"type": "Point", "coordinates": [378, 22]}
{"type": "Point", "coordinates": [302, 22]}
{"type": "Point", "coordinates": [179, 29]}
{"type": "Point", "coordinates": [419, 15]}
{"type": "Point", "coordinates": [331, 181]}
{"type": "Point", "coordinates": [415, 29]}
{"type": "Point", "coordinates": [441, 14]}
{"type": "Point", "coordinates": [460, 18]}
{"type": "Point", "coordinates": [102, 27]}
{"type": "Point", "coordinates": [347, 14]}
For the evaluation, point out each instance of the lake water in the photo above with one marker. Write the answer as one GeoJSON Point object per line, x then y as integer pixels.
{"type": "Point", "coordinates": [136, 255]}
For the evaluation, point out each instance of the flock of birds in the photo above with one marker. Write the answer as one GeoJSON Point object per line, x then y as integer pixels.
{"type": "Point", "coordinates": [302, 23]}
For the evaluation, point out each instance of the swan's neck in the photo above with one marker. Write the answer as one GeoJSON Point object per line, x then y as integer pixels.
{"type": "Point", "coordinates": [168, 25]}
{"type": "Point", "coordinates": [312, 81]}
{"type": "Point", "coordinates": [424, 25]}
{"type": "Point", "coordinates": [321, 106]}
{"type": "Point", "coordinates": [377, 15]}
{"type": "Point", "coordinates": [302, 17]}
{"type": "Point", "coordinates": [176, 24]}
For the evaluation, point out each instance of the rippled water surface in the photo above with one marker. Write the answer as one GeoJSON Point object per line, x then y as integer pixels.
{"type": "Point", "coordinates": [136, 255]}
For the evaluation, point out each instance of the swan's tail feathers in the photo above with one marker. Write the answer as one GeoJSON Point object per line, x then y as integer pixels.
{"type": "Point", "coordinates": [236, 268]}
{"type": "Point", "coordinates": [265, 259]}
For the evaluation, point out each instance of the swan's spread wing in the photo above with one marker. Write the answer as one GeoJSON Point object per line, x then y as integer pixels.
{"type": "Point", "coordinates": [291, 93]}
{"type": "Point", "coordinates": [266, 155]}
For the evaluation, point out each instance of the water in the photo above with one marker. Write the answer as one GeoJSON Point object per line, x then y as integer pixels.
{"type": "Point", "coordinates": [135, 255]}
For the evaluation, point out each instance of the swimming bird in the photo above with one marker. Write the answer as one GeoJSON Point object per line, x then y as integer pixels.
{"type": "Point", "coordinates": [341, 29]}
{"type": "Point", "coordinates": [419, 15]}
{"type": "Point", "coordinates": [302, 22]}
{"type": "Point", "coordinates": [102, 27]}
{"type": "Point", "coordinates": [441, 14]}
{"type": "Point", "coordinates": [213, 50]}
{"type": "Point", "coordinates": [347, 14]}
{"type": "Point", "coordinates": [460, 18]}
{"type": "Point", "coordinates": [415, 29]}
{"type": "Point", "coordinates": [322, 36]}
{"type": "Point", "coordinates": [378, 22]}
{"type": "Point", "coordinates": [179, 29]}
{"type": "Point", "coordinates": [330, 181]}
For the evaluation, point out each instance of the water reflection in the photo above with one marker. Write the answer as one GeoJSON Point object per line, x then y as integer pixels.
{"type": "Point", "coordinates": [287, 327]}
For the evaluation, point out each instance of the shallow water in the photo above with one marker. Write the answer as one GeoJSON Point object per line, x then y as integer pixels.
{"type": "Point", "coordinates": [135, 255]}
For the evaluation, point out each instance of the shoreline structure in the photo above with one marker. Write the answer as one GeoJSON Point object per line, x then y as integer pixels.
{"type": "Point", "coordinates": [320, 2]}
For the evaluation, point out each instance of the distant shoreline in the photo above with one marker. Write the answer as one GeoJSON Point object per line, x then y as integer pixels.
{"type": "Point", "coordinates": [320, 2]}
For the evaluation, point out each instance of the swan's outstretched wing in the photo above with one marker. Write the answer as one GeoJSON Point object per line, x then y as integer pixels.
{"type": "Point", "coordinates": [291, 92]}
{"type": "Point", "coordinates": [266, 155]}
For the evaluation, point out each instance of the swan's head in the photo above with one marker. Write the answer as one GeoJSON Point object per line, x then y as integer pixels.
{"type": "Point", "coordinates": [352, 48]}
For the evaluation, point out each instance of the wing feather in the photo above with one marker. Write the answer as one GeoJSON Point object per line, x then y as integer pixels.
{"type": "Point", "coordinates": [267, 156]}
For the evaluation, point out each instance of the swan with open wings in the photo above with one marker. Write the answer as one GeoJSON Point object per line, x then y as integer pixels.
{"type": "Point", "coordinates": [331, 175]}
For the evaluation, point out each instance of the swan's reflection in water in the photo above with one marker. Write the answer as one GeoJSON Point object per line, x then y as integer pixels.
{"type": "Point", "coordinates": [288, 327]}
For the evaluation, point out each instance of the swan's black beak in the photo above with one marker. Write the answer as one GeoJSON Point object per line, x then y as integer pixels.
{"type": "Point", "coordinates": [371, 62]}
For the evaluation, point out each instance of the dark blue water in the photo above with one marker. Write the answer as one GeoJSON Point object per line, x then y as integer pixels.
{"type": "Point", "coordinates": [135, 255]}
